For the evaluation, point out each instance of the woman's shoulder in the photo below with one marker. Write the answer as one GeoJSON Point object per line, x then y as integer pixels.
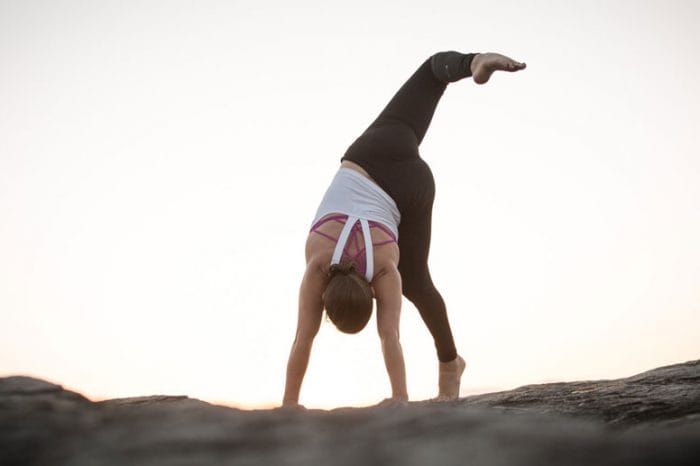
{"type": "Point", "coordinates": [318, 255]}
{"type": "Point", "coordinates": [357, 168]}
{"type": "Point", "coordinates": [386, 259]}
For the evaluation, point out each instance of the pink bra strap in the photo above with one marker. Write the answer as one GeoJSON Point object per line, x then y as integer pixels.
{"type": "Point", "coordinates": [356, 229]}
{"type": "Point", "coordinates": [383, 242]}
{"type": "Point", "coordinates": [384, 229]}
{"type": "Point", "coordinates": [326, 235]}
{"type": "Point", "coordinates": [337, 218]}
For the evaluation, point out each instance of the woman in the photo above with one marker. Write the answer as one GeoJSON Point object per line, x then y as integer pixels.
{"type": "Point", "coordinates": [371, 234]}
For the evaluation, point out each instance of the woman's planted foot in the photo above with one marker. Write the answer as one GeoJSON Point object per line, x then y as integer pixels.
{"type": "Point", "coordinates": [484, 64]}
{"type": "Point", "coordinates": [450, 378]}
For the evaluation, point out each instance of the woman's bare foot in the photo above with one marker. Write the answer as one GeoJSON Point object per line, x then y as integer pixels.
{"type": "Point", "coordinates": [484, 64]}
{"type": "Point", "coordinates": [450, 378]}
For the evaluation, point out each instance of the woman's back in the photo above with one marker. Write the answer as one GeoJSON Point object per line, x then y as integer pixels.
{"type": "Point", "coordinates": [328, 227]}
{"type": "Point", "coordinates": [322, 241]}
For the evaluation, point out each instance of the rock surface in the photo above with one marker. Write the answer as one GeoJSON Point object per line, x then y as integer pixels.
{"type": "Point", "coordinates": [649, 419]}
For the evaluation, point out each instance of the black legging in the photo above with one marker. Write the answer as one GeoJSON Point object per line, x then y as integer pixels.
{"type": "Point", "coordinates": [388, 151]}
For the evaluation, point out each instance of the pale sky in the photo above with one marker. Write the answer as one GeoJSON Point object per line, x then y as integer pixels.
{"type": "Point", "coordinates": [161, 162]}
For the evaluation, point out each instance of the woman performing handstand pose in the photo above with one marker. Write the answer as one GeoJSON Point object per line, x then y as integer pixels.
{"type": "Point", "coordinates": [379, 205]}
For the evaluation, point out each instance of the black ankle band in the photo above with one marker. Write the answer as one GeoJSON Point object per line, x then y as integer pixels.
{"type": "Point", "coordinates": [451, 66]}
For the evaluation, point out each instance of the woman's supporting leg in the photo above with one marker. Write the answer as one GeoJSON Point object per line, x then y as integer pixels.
{"type": "Point", "coordinates": [418, 287]}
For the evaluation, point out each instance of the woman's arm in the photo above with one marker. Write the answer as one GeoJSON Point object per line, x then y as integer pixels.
{"type": "Point", "coordinates": [387, 290]}
{"type": "Point", "coordinates": [308, 323]}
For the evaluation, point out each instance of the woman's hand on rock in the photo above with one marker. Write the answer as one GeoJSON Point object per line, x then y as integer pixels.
{"type": "Point", "coordinates": [393, 402]}
{"type": "Point", "coordinates": [292, 406]}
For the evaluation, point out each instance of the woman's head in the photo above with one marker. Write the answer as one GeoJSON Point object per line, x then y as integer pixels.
{"type": "Point", "coordinates": [348, 298]}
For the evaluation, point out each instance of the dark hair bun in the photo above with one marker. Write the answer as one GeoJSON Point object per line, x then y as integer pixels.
{"type": "Point", "coordinates": [347, 298]}
{"type": "Point", "coordinates": [344, 268]}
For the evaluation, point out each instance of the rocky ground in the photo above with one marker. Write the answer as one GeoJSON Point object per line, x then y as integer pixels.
{"type": "Point", "coordinates": [649, 419]}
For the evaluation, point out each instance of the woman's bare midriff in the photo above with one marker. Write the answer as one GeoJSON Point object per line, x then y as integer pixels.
{"type": "Point", "coordinates": [357, 168]}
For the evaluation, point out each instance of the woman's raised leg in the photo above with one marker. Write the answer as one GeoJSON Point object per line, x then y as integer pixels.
{"type": "Point", "coordinates": [415, 102]}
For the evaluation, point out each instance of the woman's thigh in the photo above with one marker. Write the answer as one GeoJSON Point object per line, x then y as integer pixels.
{"type": "Point", "coordinates": [389, 154]}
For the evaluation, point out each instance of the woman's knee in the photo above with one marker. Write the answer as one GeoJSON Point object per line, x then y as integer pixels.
{"type": "Point", "coordinates": [419, 291]}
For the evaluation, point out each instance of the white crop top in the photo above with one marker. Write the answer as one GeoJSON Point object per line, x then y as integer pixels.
{"type": "Point", "coordinates": [352, 194]}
